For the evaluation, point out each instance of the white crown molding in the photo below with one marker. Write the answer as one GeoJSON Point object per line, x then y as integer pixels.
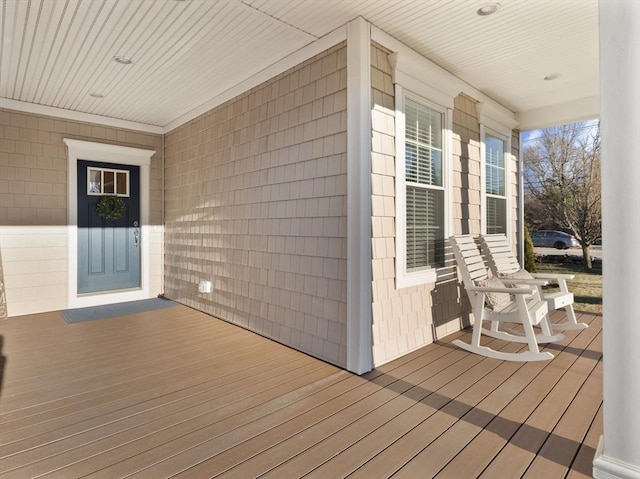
{"type": "Point", "coordinates": [573, 111]}
{"type": "Point", "coordinates": [51, 111]}
{"type": "Point", "coordinates": [497, 119]}
{"type": "Point", "coordinates": [90, 150]}
{"type": "Point", "coordinates": [423, 77]}
{"type": "Point", "coordinates": [290, 61]}
{"type": "Point", "coordinates": [439, 79]}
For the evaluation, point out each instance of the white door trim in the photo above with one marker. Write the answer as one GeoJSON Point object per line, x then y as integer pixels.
{"type": "Point", "coordinates": [87, 150]}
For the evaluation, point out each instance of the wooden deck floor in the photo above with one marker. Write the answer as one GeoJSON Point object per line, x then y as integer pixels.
{"type": "Point", "coordinates": [176, 393]}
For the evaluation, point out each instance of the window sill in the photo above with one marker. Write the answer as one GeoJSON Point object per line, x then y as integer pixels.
{"type": "Point", "coordinates": [407, 280]}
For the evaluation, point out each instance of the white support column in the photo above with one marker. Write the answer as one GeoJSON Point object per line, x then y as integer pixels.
{"type": "Point", "coordinates": [359, 298]}
{"type": "Point", "coordinates": [618, 454]}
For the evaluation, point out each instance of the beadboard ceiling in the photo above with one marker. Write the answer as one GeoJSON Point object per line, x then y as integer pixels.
{"type": "Point", "coordinates": [185, 53]}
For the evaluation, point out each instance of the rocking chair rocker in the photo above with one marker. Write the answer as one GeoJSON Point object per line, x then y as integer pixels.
{"type": "Point", "coordinates": [492, 301]}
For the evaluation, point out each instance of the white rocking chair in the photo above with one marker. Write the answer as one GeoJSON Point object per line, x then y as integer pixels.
{"type": "Point", "coordinates": [514, 305]}
{"type": "Point", "coordinates": [504, 264]}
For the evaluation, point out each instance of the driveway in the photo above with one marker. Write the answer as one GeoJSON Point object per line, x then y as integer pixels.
{"type": "Point", "coordinates": [596, 251]}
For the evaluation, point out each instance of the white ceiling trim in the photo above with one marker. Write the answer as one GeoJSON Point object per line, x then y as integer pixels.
{"type": "Point", "coordinates": [570, 112]}
{"type": "Point", "coordinates": [274, 21]}
{"type": "Point", "coordinates": [45, 110]}
{"type": "Point", "coordinates": [290, 61]}
{"type": "Point", "coordinates": [455, 83]}
{"type": "Point", "coordinates": [299, 56]}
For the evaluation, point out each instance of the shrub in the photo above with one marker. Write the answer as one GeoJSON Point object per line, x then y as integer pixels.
{"type": "Point", "coordinates": [529, 257]}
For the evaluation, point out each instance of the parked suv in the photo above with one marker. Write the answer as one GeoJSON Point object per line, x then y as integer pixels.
{"type": "Point", "coordinates": [553, 239]}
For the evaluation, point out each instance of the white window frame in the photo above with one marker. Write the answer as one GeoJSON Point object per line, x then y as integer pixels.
{"type": "Point", "coordinates": [404, 278]}
{"type": "Point", "coordinates": [484, 132]}
{"type": "Point", "coordinates": [102, 171]}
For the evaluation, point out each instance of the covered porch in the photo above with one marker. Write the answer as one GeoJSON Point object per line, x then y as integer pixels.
{"type": "Point", "coordinates": [36, 222]}
{"type": "Point", "coordinates": [176, 392]}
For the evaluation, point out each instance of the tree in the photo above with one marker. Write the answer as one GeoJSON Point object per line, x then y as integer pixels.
{"type": "Point", "coordinates": [562, 181]}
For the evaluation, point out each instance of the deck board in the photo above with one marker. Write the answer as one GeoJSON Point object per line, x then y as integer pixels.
{"type": "Point", "coordinates": [176, 393]}
{"type": "Point", "coordinates": [512, 404]}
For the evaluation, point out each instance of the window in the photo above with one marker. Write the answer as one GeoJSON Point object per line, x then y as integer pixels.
{"type": "Point", "coordinates": [105, 181]}
{"type": "Point", "coordinates": [421, 189]}
{"type": "Point", "coordinates": [495, 184]}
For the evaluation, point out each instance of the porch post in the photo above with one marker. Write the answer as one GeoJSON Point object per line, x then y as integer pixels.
{"type": "Point", "coordinates": [618, 454]}
{"type": "Point", "coordinates": [359, 296]}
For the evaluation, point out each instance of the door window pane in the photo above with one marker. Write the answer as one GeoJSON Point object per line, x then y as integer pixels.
{"type": "Point", "coordinates": [95, 181]}
{"type": "Point", "coordinates": [121, 183]}
{"type": "Point", "coordinates": [107, 181]}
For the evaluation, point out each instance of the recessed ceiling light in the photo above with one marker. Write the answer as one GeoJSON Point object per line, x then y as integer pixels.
{"type": "Point", "coordinates": [123, 60]}
{"type": "Point", "coordinates": [96, 95]}
{"type": "Point", "coordinates": [488, 9]}
{"type": "Point", "coordinates": [552, 76]}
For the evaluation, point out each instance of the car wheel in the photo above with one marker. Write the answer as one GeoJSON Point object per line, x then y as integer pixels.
{"type": "Point", "coordinates": [559, 245]}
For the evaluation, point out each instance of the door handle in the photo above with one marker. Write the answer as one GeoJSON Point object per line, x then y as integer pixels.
{"type": "Point", "coordinates": [136, 234]}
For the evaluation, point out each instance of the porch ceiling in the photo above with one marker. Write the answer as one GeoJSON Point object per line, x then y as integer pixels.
{"type": "Point", "coordinates": [185, 53]}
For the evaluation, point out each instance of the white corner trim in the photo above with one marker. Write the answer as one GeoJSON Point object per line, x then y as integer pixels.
{"type": "Point", "coordinates": [359, 296]}
{"type": "Point", "coordinates": [54, 112]}
{"type": "Point", "coordinates": [520, 160]}
{"type": "Point", "coordinates": [292, 60]}
{"type": "Point", "coordinates": [605, 467]}
{"type": "Point", "coordinates": [496, 117]}
{"type": "Point", "coordinates": [86, 150]}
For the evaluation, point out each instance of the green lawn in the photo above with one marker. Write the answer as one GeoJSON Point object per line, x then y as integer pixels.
{"type": "Point", "coordinates": [586, 286]}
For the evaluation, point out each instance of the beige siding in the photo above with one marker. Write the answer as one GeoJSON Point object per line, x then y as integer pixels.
{"type": "Point", "coordinates": [400, 317]}
{"type": "Point", "coordinates": [405, 319]}
{"type": "Point", "coordinates": [467, 187]}
{"type": "Point", "coordinates": [452, 309]}
{"type": "Point", "coordinates": [33, 205]}
{"type": "Point", "coordinates": [256, 204]}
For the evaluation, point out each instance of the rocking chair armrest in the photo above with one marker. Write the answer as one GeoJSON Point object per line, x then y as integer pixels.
{"type": "Point", "coordinates": [482, 289]}
{"type": "Point", "coordinates": [533, 282]}
{"type": "Point", "coordinates": [553, 276]}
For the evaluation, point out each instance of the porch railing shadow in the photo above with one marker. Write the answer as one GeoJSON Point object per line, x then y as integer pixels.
{"type": "Point", "coordinates": [557, 449]}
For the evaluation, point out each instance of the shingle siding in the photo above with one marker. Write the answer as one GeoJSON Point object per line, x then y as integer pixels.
{"type": "Point", "coordinates": [405, 319]}
{"type": "Point", "coordinates": [33, 204]}
{"type": "Point", "coordinates": [256, 198]}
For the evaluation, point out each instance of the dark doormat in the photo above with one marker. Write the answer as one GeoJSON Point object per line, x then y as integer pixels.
{"type": "Point", "coordinates": [119, 309]}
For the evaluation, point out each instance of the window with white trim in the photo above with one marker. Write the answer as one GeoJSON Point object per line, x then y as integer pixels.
{"type": "Point", "coordinates": [421, 195]}
{"type": "Point", "coordinates": [495, 186]}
